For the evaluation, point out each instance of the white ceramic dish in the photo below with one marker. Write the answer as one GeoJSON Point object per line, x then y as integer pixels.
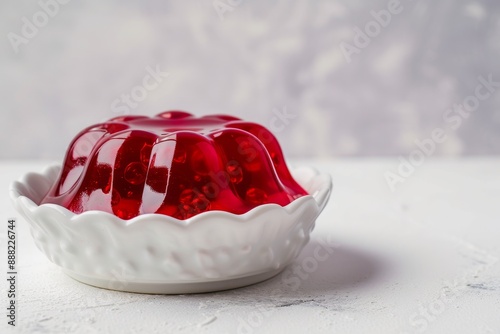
{"type": "Point", "coordinates": [155, 253]}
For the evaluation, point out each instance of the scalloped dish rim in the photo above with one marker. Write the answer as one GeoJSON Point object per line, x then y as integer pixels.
{"type": "Point", "coordinates": [319, 186]}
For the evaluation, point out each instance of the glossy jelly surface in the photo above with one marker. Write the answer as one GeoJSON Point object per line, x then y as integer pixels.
{"type": "Point", "coordinates": [173, 164]}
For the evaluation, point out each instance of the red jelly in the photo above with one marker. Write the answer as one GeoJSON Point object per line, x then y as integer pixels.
{"type": "Point", "coordinates": [173, 164]}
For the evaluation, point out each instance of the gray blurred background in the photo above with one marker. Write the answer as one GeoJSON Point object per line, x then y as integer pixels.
{"type": "Point", "coordinates": [67, 66]}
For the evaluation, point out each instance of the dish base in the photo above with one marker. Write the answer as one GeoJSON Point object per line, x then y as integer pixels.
{"type": "Point", "coordinates": [174, 287]}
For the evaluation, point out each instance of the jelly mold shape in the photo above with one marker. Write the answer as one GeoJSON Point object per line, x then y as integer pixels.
{"type": "Point", "coordinates": [174, 164]}
{"type": "Point", "coordinates": [155, 253]}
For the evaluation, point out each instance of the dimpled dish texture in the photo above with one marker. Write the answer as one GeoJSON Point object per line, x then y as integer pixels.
{"type": "Point", "coordinates": [157, 253]}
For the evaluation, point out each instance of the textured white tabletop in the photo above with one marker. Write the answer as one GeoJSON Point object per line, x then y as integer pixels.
{"type": "Point", "coordinates": [421, 259]}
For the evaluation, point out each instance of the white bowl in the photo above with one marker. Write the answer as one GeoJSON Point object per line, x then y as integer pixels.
{"type": "Point", "coordinates": [155, 253]}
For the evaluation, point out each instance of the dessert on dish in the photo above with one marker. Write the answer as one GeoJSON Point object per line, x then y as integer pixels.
{"type": "Point", "coordinates": [172, 204]}
{"type": "Point", "coordinates": [173, 164]}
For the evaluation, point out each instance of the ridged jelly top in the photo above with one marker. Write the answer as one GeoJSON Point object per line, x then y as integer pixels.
{"type": "Point", "coordinates": [173, 164]}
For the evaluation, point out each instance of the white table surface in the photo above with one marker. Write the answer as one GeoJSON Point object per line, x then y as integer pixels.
{"type": "Point", "coordinates": [421, 259]}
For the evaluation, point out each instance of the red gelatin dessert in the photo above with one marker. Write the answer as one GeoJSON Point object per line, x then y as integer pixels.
{"type": "Point", "coordinates": [173, 164]}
